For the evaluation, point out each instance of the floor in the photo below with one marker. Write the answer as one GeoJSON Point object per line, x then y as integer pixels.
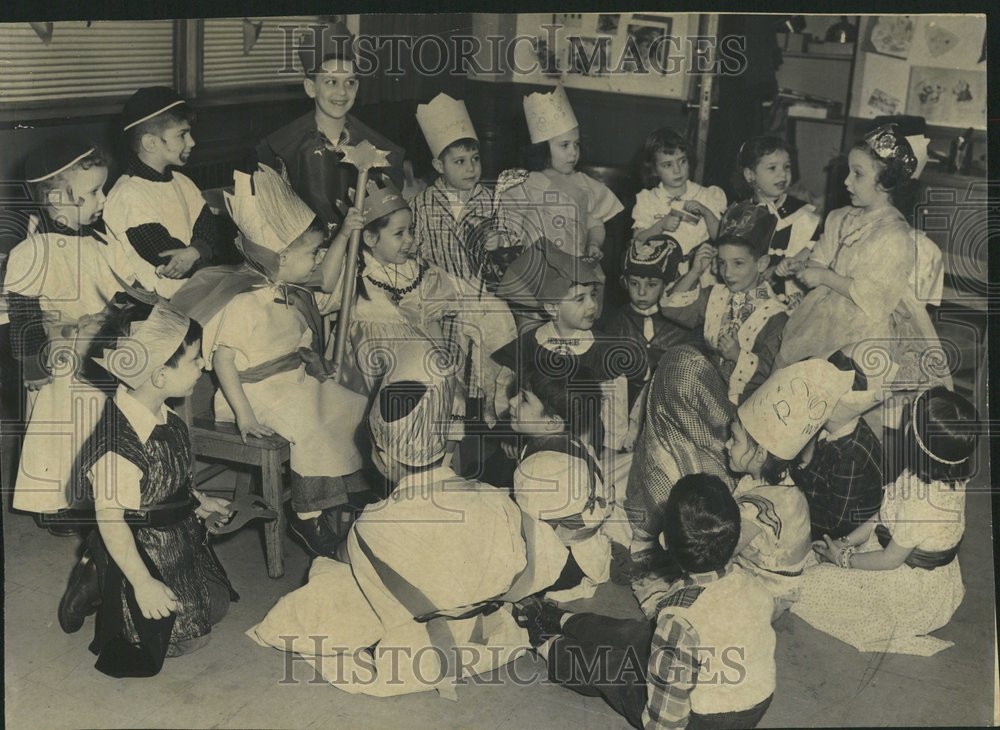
{"type": "Point", "coordinates": [50, 681]}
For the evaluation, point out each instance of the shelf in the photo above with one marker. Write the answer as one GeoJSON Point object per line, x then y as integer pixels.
{"type": "Point", "coordinates": [819, 56]}
{"type": "Point", "coordinates": [820, 120]}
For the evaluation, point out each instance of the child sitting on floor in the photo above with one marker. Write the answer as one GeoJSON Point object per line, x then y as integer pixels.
{"type": "Point", "coordinates": [158, 210]}
{"type": "Point", "coordinates": [742, 317]}
{"type": "Point", "coordinates": [559, 479]}
{"type": "Point", "coordinates": [681, 670]}
{"type": "Point", "coordinates": [896, 578]}
{"type": "Point", "coordinates": [162, 587]}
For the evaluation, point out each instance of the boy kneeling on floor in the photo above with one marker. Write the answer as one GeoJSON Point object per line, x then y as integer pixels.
{"type": "Point", "coordinates": [708, 662]}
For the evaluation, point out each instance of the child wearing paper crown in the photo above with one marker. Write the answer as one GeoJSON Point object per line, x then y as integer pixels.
{"type": "Point", "coordinates": [58, 284]}
{"type": "Point", "coordinates": [556, 202]}
{"type": "Point", "coordinates": [458, 224]}
{"type": "Point", "coordinates": [673, 203]}
{"type": "Point", "coordinates": [860, 299]}
{"type": "Point", "coordinates": [742, 317]}
{"type": "Point", "coordinates": [896, 578]}
{"type": "Point", "coordinates": [264, 337]}
{"type": "Point", "coordinates": [158, 210]}
{"type": "Point", "coordinates": [162, 587]}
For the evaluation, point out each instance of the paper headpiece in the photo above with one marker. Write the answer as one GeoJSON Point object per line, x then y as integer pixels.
{"type": "Point", "coordinates": [443, 121]}
{"type": "Point", "coordinates": [381, 201]}
{"type": "Point", "coordinates": [544, 273]}
{"type": "Point", "coordinates": [548, 115]}
{"type": "Point", "coordinates": [793, 404]}
{"type": "Point", "coordinates": [148, 346]}
{"type": "Point", "coordinates": [888, 143]}
{"type": "Point", "coordinates": [657, 257]}
{"type": "Point", "coordinates": [54, 157]}
{"type": "Point", "coordinates": [147, 103]}
{"type": "Point", "coordinates": [751, 222]}
{"type": "Point", "coordinates": [410, 419]}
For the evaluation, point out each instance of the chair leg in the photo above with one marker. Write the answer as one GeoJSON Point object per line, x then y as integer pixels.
{"type": "Point", "coordinates": [274, 530]}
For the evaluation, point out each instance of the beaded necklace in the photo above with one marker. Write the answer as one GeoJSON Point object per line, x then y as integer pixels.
{"type": "Point", "coordinates": [395, 293]}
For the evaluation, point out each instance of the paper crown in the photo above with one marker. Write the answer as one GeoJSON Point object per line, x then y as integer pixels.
{"type": "Point", "coordinates": [148, 346]}
{"type": "Point", "coordinates": [657, 257]}
{"type": "Point", "coordinates": [888, 143]}
{"type": "Point", "coordinates": [148, 103]}
{"type": "Point", "coordinates": [268, 213]}
{"type": "Point", "coordinates": [411, 417]}
{"type": "Point", "coordinates": [544, 273]}
{"type": "Point", "coordinates": [751, 222]}
{"type": "Point", "coordinates": [548, 115]}
{"type": "Point", "coordinates": [793, 404]}
{"type": "Point", "coordinates": [443, 121]}
{"type": "Point", "coordinates": [333, 41]}
{"type": "Point", "coordinates": [381, 201]}
{"type": "Point", "coordinates": [862, 397]}
{"type": "Point", "coordinates": [55, 157]}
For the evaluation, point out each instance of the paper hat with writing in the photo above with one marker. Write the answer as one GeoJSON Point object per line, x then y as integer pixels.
{"type": "Point", "coordinates": [411, 416]}
{"type": "Point", "coordinates": [544, 273]}
{"type": "Point", "coordinates": [888, 143]}
{"type": "Point", "coordinates": [867, 391]}
{"type": "Point", "coordinates": [548, 115]}
{"type": "Point", "coordinates": [381, 200]}
{"type": "Point", "coordinates": [148, 103]}
{"type": "Point", "coordinates": [443, 121]}
{"type": "Point", "coordinates": [54, 157]}
{"type": "Point", "coordinates": [148, 346]}
{"type": "Point", "coordinates": [318, 46]}
{"type": "Point", "coordinates": [269, 214]}
{"type": "Point", "coordinates": [657, 257]}
{"type": "Point", "coordinates": [793, 404]}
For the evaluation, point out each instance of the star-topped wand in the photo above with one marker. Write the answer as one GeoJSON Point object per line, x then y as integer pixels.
{"type": "Point", "coordinates": [364, 156]}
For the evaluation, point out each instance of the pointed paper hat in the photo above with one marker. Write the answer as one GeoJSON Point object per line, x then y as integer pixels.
{"type": "Point", "coordinates": [544, 273]}
{"type": "Point", "coordinates": [148, 346]}
{"type": "Point", "coordinates": [548, 115]}
{"type": "Point", "coordinates": [381, 200]}
{"type": "Point", "coordinates": [443, 121]}
{"type": "Point", "coordinates": [793, 404]}
{"type": "Point", "coordinates": [268, 213]}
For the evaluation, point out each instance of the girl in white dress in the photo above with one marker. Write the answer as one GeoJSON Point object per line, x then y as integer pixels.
{"type": "Point", "coordinates": [896, 578]}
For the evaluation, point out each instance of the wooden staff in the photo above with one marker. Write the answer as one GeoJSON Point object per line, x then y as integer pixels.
{"type": "Point", "coordinates": [363, 156]}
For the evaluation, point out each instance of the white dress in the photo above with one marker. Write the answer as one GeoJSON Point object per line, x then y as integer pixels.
{"type": "Point", "coordinates": [893, 610]}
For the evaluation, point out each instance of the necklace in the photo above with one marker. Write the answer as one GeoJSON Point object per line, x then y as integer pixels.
{"type": "Point", "coordinates": [396, 293]}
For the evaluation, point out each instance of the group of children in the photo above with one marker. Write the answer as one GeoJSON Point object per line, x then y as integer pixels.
{"type": "Point", "coordinates": [712, 427]}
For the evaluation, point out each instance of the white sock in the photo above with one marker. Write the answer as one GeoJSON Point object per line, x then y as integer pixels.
{"type": "Point", "coordinates": [309, 515]}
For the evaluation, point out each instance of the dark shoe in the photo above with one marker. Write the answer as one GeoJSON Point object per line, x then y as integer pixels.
{"type": "Point", "coordinates": [541, 618]}
{"type": "Point", "coordinates": [82, 597]}
{"type": "Point", "coordinates": [317, 534]}
{"type": "Point", "coordinates": [61, 524]}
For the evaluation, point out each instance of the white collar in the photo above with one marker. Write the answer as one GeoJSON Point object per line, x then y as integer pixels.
{"type": "Point", "coordinates": [645, 312]}
{"type": "Point", "coordinates": [691, 189]}
{"type": "Point", "coordinates": [142, 420]}
{"type": "Point", "coordinates": [578, 343]}
{"type": "Point", "coordinates": [392, 274]}
{"type": "Point", "coordinates": [439, 474]}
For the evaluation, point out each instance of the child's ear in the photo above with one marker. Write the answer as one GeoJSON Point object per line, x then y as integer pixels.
{"type": "Point", "coordinates": [555, 424]}
{"type": "Point", "coordinates": [438, 166]}
{"type": "Point", "coordinates": [763, 262]}
{"type": "Point", "coordinates": [158, 377]}
{"type": "Point", "coordinates": [748, 175]}
{"type": "Point", "coordinates": [148, 142]}
{"type": "Point", "coordinates": [551, 309]}
{"type": "Point", "coordinates": [369, 238]}
{"type": "Point", "coordinates": [310, 86]}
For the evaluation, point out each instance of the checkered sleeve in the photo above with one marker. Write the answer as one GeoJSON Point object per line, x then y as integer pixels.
{"type": "Point", "coordinates": [205, 237]}
{"type": "Point", "coordinates": [27, 335]}
{"type": "Point", "coordinates": [673, 669]}
{"type": "Point", "coordinates": [150, 240]}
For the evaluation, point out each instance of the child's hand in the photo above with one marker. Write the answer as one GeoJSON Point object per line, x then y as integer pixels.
{"type": "Point", "coordinates": [788, 267]}
{"type": "Point", "coordinates": [250, 426]}
{"type": "Point", "coordinates": [181, 261]}
{"type": "Point", "coordinates": [703, 258]}
{"type": "Point", "coordinates": [155, 599]}
{"type": "Point", "coordinates": [37, 384]}
{"type": "Point", "coordinates": [827, 550]}
{"type": "Point", "coordinates": [694, 207]}
{"type": "Point", "coordinates": [353, 221]}
{"type": "Point", "coordinates": [729, 347]}
{"type": "Point", "coordinates": [670, 223]}
{"type": "Point", "coordinates": [509, 450]}
{"type": "Point", "coordinates": [594, 252]}
{"type": "Point", "coordinates": [812, 276]}
{"type": "Point", "coordinates": [211, 505]}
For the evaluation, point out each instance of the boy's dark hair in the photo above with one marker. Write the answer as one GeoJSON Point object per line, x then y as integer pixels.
{"type": "Point", "coordinates": [397, 400]}
{"type": "Point", "coordinates": [572, 393]}
{"type": "Point", "coordinates": [893, 177]}
{"type": "Point", "coordinates": [40, 190]}
{"type": "Point", "coordinates": [701, 523]}
{"type": "Point", "coordinates": [663, 140]}
{"type": "Point", "coordinates": [948, 426]}
{"type": "Point", "coordinates": [755, 247]}
{"type": "Point", "coordinates": [751, 153]}
{"type": "Point", "coordinates": [180, 114]}
{"type": "Point", "coordinates": [466, 144]}
{"type": "Point", "coordinates": [192, 336]}
{"type": "Point", "coordinates": [537, 157]}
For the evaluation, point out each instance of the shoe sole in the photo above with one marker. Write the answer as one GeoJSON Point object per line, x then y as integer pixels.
{"type": "Point", "coordinates": [305, 542]}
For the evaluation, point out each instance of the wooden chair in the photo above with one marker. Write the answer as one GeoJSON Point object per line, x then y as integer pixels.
{"type": "Point", "coordinates": [221, 442]}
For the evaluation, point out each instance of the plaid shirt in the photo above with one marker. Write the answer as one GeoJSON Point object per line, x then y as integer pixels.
{"type": "Point", "coordinates": [440, 235]}
{"type": "Point", "coordinates": [152, 239]}
{"type": "Point", "coordinates": [673, 662]}
{"type": "Point", "coordinates": [843, 481]}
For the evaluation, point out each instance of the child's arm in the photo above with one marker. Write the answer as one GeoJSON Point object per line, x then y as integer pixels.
{"type": "Point", "coordinates": [332, 267]}
{"type": "Point", "coordinates": [672, 670]}
{"type": "Point", "coordinates": [28, 338]}
{"type": "Point", "coordinates": [595, 242]}
{"type": "Point", "coordinates": [666, 224]}
{"type": "Point", "coordinates": [791, 264]}
{"type": "Point", "coordinates": [813, 276]}
{"type": "Point", "coordinates": [764, 351]}
{"type": "Point", "coordinates": [699, 265]}
{"type": "Point", "coordinates": [748, 532]}
{"type": "Point", "coordinates": [224, 363]}
{"type": "Point", "coordinates": [205, 237]}
{"type": "Point", "coordinates": [636, 418]}
{"type": "Point", "coordinates": [842, 553]}
{"type": "Point", "coordinates": [153, 242]}
{"type": "Point", "coordinates": [707, 214]}
{"type": "Point", "coordinates": [155, 599]}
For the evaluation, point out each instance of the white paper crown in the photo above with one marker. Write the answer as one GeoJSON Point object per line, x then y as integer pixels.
{"type": "Point", "coordinates": [548, 115]}
{"type": "Point", "coordinates": [793, 404]}
{"type": "Point", "coordinates": [443, 121]}
{"type": "Point", "coordinates": [918, 143]}
{"type": "Point", "coordinates": [148, 346]}
{"type": "Point", "coordinates": [266, 209]}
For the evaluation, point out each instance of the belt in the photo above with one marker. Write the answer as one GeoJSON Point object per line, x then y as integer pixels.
{"type": "Point", "coordinates": [923, 559]}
